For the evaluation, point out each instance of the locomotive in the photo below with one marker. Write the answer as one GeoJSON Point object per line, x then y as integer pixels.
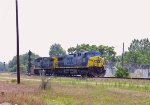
{"type": "Point", "coordinates": [88, 63]}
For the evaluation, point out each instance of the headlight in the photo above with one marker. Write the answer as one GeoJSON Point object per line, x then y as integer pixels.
{"type": "Point", "coordinates": [97, 61]}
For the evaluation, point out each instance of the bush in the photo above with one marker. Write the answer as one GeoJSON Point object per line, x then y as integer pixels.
{"type": "Point", "coordinates": [122, 72]}
{"type": "Point", "coordinates": [13, 80]}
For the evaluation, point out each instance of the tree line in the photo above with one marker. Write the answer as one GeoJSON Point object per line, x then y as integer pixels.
{"type": "Point", "coordinates": [106, 51]}
{"type": "Point", "coordinates": [12, 65]}
{"type": "Point", "coordinates": [138, 52]}
{"type": "Point", "coordinates": [3, 66]}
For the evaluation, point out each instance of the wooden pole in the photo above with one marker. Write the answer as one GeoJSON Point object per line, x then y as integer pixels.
{"type": "Point", "coordinates": [17, 32]}
{"type": "Point", "coordinates": [123, 54]}
{"type": "Point", "coordinates": [29, 62]}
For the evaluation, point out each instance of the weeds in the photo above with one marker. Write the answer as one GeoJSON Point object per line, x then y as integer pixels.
{"type": "Point", "coordinates": [13, 81]}
{"type": "Point", "coordinates": [75, 91]}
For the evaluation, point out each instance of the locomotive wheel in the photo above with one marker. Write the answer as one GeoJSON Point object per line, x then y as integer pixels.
{"type": "Point", "coordinates": [83, 75]}
{"type": "Point", "coordinates": [102, 75]}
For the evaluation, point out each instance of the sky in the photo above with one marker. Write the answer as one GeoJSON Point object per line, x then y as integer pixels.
{"type": "Point", "coordinates": [71, 22]}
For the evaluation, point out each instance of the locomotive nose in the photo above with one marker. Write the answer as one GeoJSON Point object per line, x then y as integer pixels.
{"type": "Point", "coordinates": [96, 61]}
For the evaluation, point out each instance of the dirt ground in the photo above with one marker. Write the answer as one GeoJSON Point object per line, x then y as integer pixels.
{"type": "Point", "coordinates": [69, 91]}
{"type": "Point", "coordinates": [14, 88]}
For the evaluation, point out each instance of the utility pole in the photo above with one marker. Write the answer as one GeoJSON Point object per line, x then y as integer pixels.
{"type": "Point", "coordinates": [29, 62]}
{"type": "Point", "coordinates": [17, 32]}
{"type": "Point", "coordinates": [4, 67]}
{"type": "Point", "coordinates": [122, 54]}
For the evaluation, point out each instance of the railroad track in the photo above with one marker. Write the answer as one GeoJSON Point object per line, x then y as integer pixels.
{"type": "Point", "coordinates": [107, 77]}
{"type": "Point", "coordinates": [125, 78]}
{"type": "Point", "coordinates": [79, 76]}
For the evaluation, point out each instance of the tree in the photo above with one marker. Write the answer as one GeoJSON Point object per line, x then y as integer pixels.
{"type": "Point", "coordinates": [12, 66]}
{"type": "Point", "coordinates": [131, 57]}
{"type": "Point", "coordinates": [56, 50]}
{"type": "Point", "coordinates": [2, 66]}
{"type": "Point", "coordinates": [139, 52]}
{"type": "Point", "coordinates": [71, 50]}
{"type": "Point", "coordinates": [108, 53]}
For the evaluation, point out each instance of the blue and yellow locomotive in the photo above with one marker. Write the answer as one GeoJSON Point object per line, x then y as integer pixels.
{"type": "Point", "coordinates": [88, 63]}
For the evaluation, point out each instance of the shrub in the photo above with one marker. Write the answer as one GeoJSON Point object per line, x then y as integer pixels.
{"type": "Point", "coordinates": [13, 80]}
{"type": "Point", "coordinates": [122, 72]}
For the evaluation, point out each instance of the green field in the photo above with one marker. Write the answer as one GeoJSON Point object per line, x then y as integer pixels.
{"type": "Point", "coordinates": [74, 91]}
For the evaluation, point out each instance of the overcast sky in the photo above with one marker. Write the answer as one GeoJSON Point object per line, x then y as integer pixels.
{"type": "Point", "coordinates": [71, 22]}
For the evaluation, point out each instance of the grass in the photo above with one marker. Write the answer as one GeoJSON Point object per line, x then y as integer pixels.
{"type": "Point", "coordinates": [139, 85]}
{"type": "Point", "coordinates": [76, 91]}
